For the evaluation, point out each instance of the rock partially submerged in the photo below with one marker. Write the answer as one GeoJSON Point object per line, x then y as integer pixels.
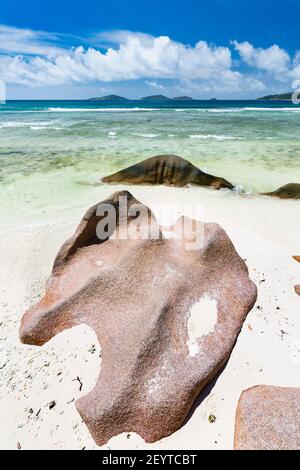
{"type": "Point", "coordinates": [268, 418]}
{"type": "Point", "coordinates": [288, 191]}
{"type": "Point", "coordinates": [169, 170]}
{"type": "Point", "coordinates": [166, 316]}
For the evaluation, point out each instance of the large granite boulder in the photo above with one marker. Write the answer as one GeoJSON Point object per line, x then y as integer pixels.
{"type": "Point", "coordinates": [288, 191]}
{"type": "Point", "coordinates": [268, 418]}
{"type": "Point", "coordinates": [169, 170]}
{"type": "Point", "coordinates": [167, 314]}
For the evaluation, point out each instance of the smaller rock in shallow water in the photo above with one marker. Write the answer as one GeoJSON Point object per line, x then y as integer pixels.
{"type": "Point", "coordinates": [169, 170]}
{"type": "Point", "coordinates": [288, 191]}
{"type": "Point", "coordinates": [268, 418]}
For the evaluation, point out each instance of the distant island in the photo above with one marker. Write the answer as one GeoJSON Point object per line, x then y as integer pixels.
{"type": "Point", "coordinates": [109, 98]}
{"type": "Point", "coordinates": [166, 98]}
{"type": "Point", "coordinates": [155, 98]}
{"type": "Point", "coordinates": [283, 97]}
{"type": "Point", "coordinates": [145, 98]}
{"type": "Point", "coordinates": [182, 98]}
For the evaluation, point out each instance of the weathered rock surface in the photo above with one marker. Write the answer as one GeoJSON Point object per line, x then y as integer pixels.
{"type": "Point", "coordinates": [297, 288]}
{"type": "Point", "coordinates": [167, 318]}
{"type": "Point", "coordinates": [268, 418]}
{"type": "Point", "coordinates": [288, 191]}
{"type": "Point", "coordinates": [169, 170]}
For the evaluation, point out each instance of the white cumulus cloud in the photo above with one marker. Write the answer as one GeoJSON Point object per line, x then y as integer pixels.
{"type": "Point", "coordinates": [272, 59]}
{"type": "Point", "coordinates": [25, 41]}
{"type": "Point", "coordinates": [137, 56]}
{"type": "Point", "coordinates": [38, 58]}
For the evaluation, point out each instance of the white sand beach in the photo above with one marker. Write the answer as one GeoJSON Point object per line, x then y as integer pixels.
{"type": "Point", "coordinates": [120, 331]}
{"type": "Point", "coordinates": [265, 232]}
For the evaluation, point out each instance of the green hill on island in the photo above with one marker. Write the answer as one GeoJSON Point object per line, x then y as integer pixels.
{"type": "Point", "coordinates": [165, 98]}
{"type": "Point", "coordinates": [155, 98]}
{"type": "Point", "coordinates": [182, 98]}
{"type": "Point", "coordinates": [283, 96]}
{"type": "Point", "coordinates": [109, 98]}
{"type": "Point", "coordinates": [145, 98]}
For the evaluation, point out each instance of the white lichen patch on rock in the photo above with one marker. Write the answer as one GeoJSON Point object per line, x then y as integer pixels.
{"type": "Point", "coordinates": [155, 382]}
{"type": "Point", "coordinates": [202, 320]}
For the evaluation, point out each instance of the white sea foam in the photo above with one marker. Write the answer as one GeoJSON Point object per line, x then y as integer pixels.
{"type": "Point", "coordinates": [213, 137]}
{"type": "Point", "coordinates": [224, 110]}
{"type": "Point", "coordinates": [46, 128]}
{"type": "Point", "coordinates": [273, 109]}
{"type": "Point", "coordinates": [146, 136]}
{"type": "Point", "coordinates": [239, 110]}
{"type": "Point", "coordinates": [138, 109]}
{"type": "Point", "coordinates": [98, 110]}
{"type": "Point", "coordinates": [13, 124]}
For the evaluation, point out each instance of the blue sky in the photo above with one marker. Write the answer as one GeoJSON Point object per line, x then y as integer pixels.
{"type": "Point", "coordinates": [222, 48]}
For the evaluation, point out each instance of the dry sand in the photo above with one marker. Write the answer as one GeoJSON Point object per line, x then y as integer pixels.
{"type": "Point", "coordinates": [265, 232]}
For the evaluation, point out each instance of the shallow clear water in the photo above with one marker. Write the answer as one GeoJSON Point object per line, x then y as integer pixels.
{"type": "Point", "coordinates": [53, 151]}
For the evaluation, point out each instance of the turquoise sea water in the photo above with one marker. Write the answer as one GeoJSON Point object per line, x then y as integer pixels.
{"type": "Point", "coordinates": [53, 150]}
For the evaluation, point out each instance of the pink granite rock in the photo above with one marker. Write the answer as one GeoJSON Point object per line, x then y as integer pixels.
{"type": "Point", "coordinates": [167, 317]}
{"type": "Point", "coordinates": [268, 418]}
{"type": "Point", "coordinates": [288, 191]}
{"type": "Point", "coordinates": [169, 170]}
